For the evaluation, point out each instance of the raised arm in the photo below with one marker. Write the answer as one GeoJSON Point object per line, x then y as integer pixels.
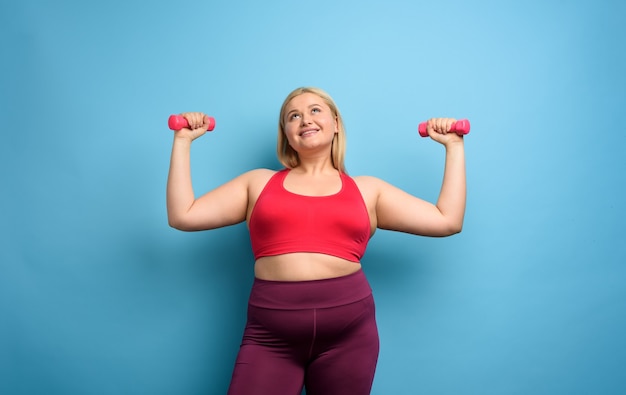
{"type": "Point", "coordinates": [225, 205]}
{"type": "Point", "coordinates": [400, 211]}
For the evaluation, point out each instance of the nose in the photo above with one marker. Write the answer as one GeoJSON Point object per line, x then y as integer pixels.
{"type": "Point", "coordinates": [306, 119]}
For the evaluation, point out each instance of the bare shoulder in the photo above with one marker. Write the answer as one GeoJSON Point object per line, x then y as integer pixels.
{"type": "Point", "coordinates": [376, 190]}
{"type": "Point", "coordinates": [366, 179]}
{"type": "Point", "coordinates": [260, 172]}
{"type": "Point", "coordinates": [251, 182]}
{"type": "Point", "coordinates": [369, 184]}
{"type": "Point", "coordinates": [256, 180]}
{"type": "Point", "coordinates": [257, 176]}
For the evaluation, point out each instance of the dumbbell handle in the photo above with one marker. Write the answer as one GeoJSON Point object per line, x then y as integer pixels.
{"type": "Point", "coordinates": [460, 127]}
{"type": "Point", "coordinates": [177, 122]}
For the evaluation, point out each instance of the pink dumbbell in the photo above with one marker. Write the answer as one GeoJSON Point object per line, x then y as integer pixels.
{"type": "Point", "coordinates": [460, 127]}
{"type": "Point", "coordinates": [177, 122]}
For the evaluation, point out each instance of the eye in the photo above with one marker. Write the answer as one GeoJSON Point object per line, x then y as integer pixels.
{"type": "Point", "coordinates": [315, 110]}
{"type": "Point", "coordinates": [294, 115]}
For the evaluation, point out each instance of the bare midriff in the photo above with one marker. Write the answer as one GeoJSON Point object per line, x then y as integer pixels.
{"type": "Point", "coordinates": [303, 266]}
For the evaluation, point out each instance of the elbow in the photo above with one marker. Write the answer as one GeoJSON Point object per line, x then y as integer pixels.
{"type": "Point", "coordinates": [454, 228]}
{"type": "Point", "coordinates": [173, 224]}
{"type": "Point", "coordinates": [454, 224]}
{"type": "Point", "coordinates": [177, 224]}
{"type": "Point", "coordinates": [457, 227]}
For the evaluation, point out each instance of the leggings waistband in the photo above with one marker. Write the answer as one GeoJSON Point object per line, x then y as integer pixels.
{"type": "Point", "coordinates": [296, 295]}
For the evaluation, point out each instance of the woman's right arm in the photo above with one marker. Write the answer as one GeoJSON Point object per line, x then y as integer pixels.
{"type": "Point", "coordinates": [225, 205]}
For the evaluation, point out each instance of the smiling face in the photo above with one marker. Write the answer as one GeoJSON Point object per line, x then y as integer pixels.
{"type": "Point", "coordinates": [309, 123]}
{"type": "Point", "coordinates": [309, 116]}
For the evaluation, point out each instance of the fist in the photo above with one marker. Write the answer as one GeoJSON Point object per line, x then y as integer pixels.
{"type": "Point", "coordinates": [440, 130]}
{"type": "Point", "coordinates": [198, 125]}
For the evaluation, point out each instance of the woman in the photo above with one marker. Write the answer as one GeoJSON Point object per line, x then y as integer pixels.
{"type": "Point", "coordinates": [311, 319]}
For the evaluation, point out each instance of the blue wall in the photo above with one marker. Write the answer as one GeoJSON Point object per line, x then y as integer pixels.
{"type": "Point", "coordinates": [99, 296]}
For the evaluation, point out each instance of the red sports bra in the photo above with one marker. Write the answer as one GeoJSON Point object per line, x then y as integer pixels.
{"type": "Point", "coordinates": [284, 222]}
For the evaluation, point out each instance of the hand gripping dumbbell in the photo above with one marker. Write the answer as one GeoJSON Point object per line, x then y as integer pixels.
{"type": "Point", "coordinates": [460, 127]}
{"type": "Point", "coordinates": [177, 122]}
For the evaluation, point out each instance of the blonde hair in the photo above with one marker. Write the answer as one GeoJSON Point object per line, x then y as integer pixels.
{"type": "Point", "coordinates": [288, 156]}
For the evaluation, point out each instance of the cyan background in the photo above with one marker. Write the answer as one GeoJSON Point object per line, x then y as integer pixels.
{"type": "Point", "coordinates": [99, 296]}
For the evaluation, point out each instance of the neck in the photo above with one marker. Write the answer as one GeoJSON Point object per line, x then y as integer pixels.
{"type": "Point", "coordinates": [316, 166]}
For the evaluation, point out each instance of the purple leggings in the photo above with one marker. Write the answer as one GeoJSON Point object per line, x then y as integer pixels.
{"type": "Point", "coordinates": [319, 334]}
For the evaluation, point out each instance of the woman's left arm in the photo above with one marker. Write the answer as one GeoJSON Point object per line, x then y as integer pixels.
{"type": "Point", "coordinates": [399, 211]}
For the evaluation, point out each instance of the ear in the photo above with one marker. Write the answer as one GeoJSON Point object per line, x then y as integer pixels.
{"type": "Point", "coordinates": [336, 125]}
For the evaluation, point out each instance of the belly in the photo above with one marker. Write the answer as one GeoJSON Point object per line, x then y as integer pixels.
{"type": "Point", "coordinates": [303, 266]}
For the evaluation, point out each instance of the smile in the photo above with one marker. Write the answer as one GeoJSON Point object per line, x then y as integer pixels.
{"type": "Point", "coordinates": [308, 132]}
